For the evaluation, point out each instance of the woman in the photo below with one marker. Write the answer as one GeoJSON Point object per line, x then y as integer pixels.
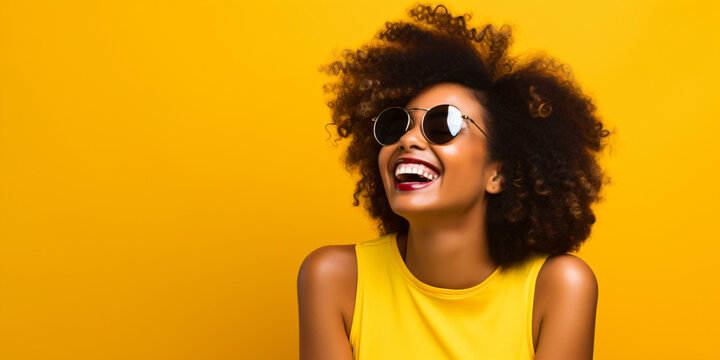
{"type": "Point", "coordinates": [480, 169]}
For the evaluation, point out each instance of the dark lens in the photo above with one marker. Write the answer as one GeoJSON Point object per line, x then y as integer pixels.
{"type": "Point", "coordinates": [442, 123]}
{"type": "Point", "coordinates": [391, 125]}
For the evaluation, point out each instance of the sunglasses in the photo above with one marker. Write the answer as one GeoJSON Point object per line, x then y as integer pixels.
{"type": "Point", "coordinates": [439, 125]}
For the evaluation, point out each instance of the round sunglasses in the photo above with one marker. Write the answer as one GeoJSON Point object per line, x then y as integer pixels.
{"type": "Point", "coordinates": [439, 124]}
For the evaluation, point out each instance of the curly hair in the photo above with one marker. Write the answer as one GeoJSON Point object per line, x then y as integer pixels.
{"type": "Point", "coordinates": [545, 131]}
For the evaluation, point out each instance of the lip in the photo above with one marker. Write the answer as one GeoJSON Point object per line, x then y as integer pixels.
{"type": "Point", "coordinates": [414, 185]}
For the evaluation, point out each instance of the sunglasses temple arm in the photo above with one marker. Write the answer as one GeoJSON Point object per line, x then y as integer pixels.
{"type": "Point", "coordinates": [478, 126]}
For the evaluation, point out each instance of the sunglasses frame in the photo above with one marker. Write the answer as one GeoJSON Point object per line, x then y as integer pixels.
{"type": "Point", "coordinates": [422, 121]}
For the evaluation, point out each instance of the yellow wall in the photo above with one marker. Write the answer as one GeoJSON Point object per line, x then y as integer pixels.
{"type": "Point", "coordinates": [164, 170]}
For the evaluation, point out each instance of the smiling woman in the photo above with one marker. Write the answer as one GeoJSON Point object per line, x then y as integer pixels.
{"type": "Point", "coordinates": [480, 169]}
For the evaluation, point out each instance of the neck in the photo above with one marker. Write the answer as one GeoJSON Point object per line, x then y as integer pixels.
{"type": "Point", "coordinates": [448, 251]}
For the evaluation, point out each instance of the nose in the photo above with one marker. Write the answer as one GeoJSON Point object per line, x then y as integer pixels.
{"type": "Point", "coordinates": [414, 136]}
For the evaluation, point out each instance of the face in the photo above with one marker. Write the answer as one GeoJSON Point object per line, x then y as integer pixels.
{"type": "Point", "coordinates": [461, 170]}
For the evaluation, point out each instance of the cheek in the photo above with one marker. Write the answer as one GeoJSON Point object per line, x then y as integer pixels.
{"type": "Point", "coordinates": [383, 158]}
{"type": "Point", "coordinates": [463, 165]}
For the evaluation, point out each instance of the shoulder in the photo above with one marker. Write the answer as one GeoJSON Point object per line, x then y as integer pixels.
{"type": "Point", "coordinates": [567, 275]}
{"type": "Point", "coordinates": [330, 269]}
{"type": "Point", "coordinates": [566, 295]}
{"type": "Point", "coordinates": [567, 269]}
{"type": "Point", "coordinates": [329, 261]}
{"type": "Point", "coordinates": [566, 290]}
{"type": "Point", "coordinates": [324, 282]}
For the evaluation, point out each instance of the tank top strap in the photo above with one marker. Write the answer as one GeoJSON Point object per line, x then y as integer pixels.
{"type": "Point", "coordinates": [373, 257]}
{"type": "Point", "coordinates": [533, 266]}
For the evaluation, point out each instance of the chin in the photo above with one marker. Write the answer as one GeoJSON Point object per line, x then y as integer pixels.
{"type": "Point", "coordinates": [412, 209]}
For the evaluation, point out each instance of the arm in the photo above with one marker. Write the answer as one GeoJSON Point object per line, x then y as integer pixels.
{"type": "Point", "coordinates": [323, 279]}
{"type": "Point", "coordinates": [570, 290]}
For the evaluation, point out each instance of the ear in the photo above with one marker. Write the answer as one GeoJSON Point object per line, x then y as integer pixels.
{"type": "Point", "coordinates": [495, 183]}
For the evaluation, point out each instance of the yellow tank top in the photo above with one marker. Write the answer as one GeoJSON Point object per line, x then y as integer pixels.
{"type": "Point", "coordinates": [397, 316]}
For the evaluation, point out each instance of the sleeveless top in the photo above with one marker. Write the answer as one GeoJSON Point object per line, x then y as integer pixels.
{"type": "Point", "coordinates": [397, 316]}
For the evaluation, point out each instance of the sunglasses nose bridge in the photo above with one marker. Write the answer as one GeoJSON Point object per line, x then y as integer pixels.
{"type": "Point", "coordinates": [412, 123]}
{"type": "Point", "coordinates": [413, 133]}
{"type": "Point", "coordinates": [419, 115]}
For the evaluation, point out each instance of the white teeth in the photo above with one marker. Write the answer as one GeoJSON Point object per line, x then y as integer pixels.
{"type": "Point", "coordinates": [417, 169]}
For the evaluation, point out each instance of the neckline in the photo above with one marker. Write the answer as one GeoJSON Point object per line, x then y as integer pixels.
{"type": "Point", "coordinates": [434, 290]}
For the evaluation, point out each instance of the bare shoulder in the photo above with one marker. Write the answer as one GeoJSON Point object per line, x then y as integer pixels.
{"type": "Point", "coordinates": [325, 286]}
{"type": "Point", "coordinates": [567, 273]}
{"type": "Point", "coordinates": [567, 295]}
{"type": "Point", "coordinates": [328, 266]}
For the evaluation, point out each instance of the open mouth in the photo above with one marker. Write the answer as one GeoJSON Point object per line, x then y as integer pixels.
{"type": "Point", "coordinates": [405, 173]}
{"type": "Point", "coordinates": [413, 176]}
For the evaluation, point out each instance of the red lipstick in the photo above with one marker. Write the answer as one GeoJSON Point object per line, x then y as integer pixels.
{"type": "Point", "coordinates": [411, 186]}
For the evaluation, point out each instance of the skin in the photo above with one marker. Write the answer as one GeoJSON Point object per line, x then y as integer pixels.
{"type": "Point", "coordinates": [445, 245]}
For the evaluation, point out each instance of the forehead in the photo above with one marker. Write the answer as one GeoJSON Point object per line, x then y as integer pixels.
{"type": "Point", "coordinates": [447, 93]}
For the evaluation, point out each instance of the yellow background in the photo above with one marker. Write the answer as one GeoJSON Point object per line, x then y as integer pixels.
{"type": "Point", "coordinates": [164, 169]}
